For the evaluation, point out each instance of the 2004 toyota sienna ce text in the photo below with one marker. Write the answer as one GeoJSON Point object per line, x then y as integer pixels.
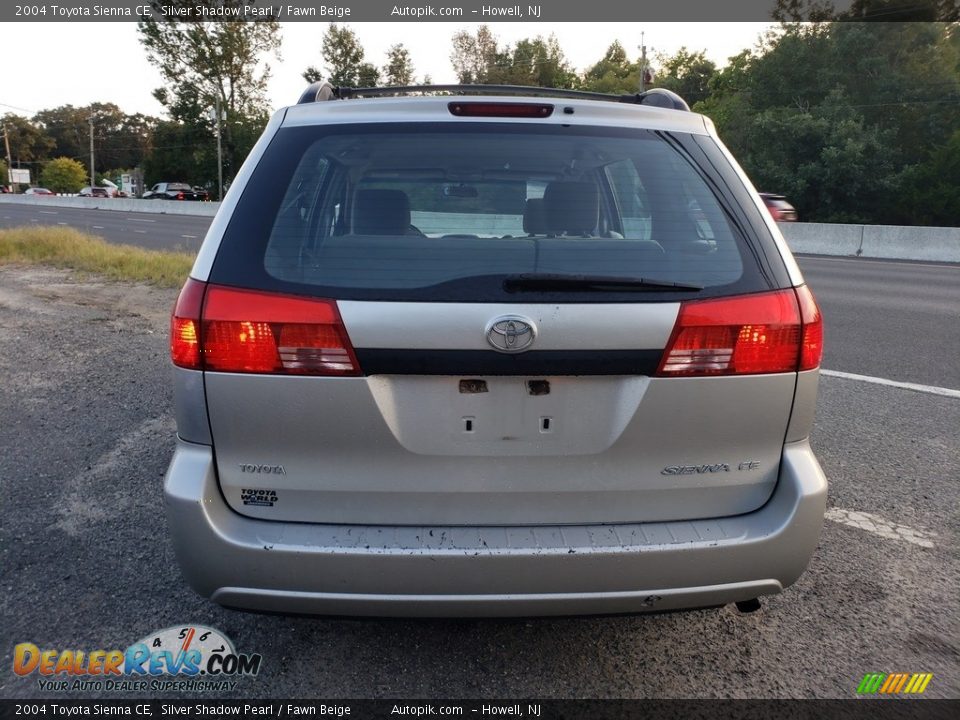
{"type": "Point", "coordinates": [492, 353]}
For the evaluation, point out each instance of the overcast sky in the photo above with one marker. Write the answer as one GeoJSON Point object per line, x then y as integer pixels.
{"type": "Point", "coordinates": [79, 63]}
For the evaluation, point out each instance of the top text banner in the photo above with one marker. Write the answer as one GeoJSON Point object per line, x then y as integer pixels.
{"type": "Point", "coordinates": [384, 11]}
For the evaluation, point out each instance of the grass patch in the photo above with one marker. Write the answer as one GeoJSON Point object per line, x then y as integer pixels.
{"type": "Point", "coordinates": [67, 248]}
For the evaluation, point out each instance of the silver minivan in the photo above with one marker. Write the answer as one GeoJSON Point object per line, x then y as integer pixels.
{"type": "Point", "coordinates": [493, 351]}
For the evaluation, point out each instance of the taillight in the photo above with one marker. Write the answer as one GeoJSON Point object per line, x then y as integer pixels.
{"type": "Point", "coordinates": [185, 326]}
{"type": "Point", "coordinates": [179, 196]}
{"type": "Point", "coordinates": [745, 335]}
{"type": "Point", "coordinates": [811, 347]}
{"type": "Point", "coordinates": [248, 331]}
{"type": "Point", "coordinates": [500, 109]}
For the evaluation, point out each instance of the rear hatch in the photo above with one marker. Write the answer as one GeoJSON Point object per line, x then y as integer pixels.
{"type": "Point", "coordinates": [496, 323]}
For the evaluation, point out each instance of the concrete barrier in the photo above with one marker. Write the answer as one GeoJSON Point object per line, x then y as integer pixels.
{"type": "Point", "coordinates": [163, 207]}
{"type": "Point", "coordinates": [822, 238]}
{"type": "Point", "coordinates": [937, 244]}
{"type": "Point", "coordinates": [892, 242]}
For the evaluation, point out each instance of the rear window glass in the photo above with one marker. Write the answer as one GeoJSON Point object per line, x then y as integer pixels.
{"type": "Point", "coordinates": [405, 213]}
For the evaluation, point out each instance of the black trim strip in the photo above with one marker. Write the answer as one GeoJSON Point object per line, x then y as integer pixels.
{"type": "Point", "coordinates": [488, 362]}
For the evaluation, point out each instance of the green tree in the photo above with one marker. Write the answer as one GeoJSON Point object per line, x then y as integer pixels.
{"type": "Point", "coordinates": [833, 164]}
{"type": "Point", "coordinates": [804, 10]}
{"type": "Point", "coordinates": [28, 142]}
{"type": "Point", "coordinates": [882, 10]}
{"type": "Point", "coordinates": [119, 139]}
{"type": "Point", "coordinates": [474, 57]}
{"type": "Point", "coordinates": [536, 61]}
{"type": "Point", "coordinates": [64, 175]}
{"type": "Point", "coordinates": [4, 179]}
{"type": "Point", "coordinates": [204, 64]}
{"type": "Point", "coordinates": [613, 73]}
{"type": "Point", "coordinates": [686, 73]}
{"type": "Point", "coordinates": [834, 114]}
{"type": "Point", "coordinates": [69, 129]}
{"type": "Point", "coordinates": [343, 53]}
{"type": "Point", "coordinates": [368, 75]}
{"type": "Point", "coordinates": [399, 67]}
{"type": "Point", "coordinates": [930, 191]}
{"type": "Point", "coordinates": [479, 59]}
{"type": "Point", "coordinates": [181, 153]}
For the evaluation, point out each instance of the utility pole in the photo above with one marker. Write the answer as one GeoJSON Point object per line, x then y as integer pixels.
{"type": "Point", "coordinates": [6, 141]}
{"type": "Point", "coordinates": [217, 118]}
{"type": "Point", "coordinates": [643, 63]}
{"type": "Point", "coordinates": [93, 176]}
{"type": "Point", "coordinates": [219, 154]}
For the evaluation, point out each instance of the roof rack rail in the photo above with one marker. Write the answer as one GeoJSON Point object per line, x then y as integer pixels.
{"type": "Point", "coordinates": [656, 97]}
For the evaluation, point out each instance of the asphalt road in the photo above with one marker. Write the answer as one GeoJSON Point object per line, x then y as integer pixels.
{"type": "Point", "coordinates": [895, 320]}
{"type": "Point", "coordinates": [153, 231]}
{"type": "Point", "coordinates": [85, 561]}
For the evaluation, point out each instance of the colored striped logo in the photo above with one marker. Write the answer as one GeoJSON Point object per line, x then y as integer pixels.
{"type": "Point", "coordinates": [894, 683]}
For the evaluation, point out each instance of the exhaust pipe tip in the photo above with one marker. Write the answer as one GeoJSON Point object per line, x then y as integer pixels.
{"type": "Point", "coordinates": [748, 606]}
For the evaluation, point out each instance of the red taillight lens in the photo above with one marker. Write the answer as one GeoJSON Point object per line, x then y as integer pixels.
{"type": "Point", "coordinates": [256, 332]}
{"type": "Point", "coordinates": [500, 109]}
{"type": "Point", "coordinates": [811, 349]}
{"type": "Point", "coordinates": [185, 325]}
{"type": "Point", "coordinates": [179, 196]}
{"type": "Point", "coordinates": [245, 331]}
{"type": "Point", "coordinates": [745, 335]}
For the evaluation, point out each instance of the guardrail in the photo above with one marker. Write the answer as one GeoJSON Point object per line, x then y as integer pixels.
{"type": "Point", "coordinates": [894, 242]}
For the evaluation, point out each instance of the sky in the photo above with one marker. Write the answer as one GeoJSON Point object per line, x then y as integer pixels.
{"type": "Point", "coordinates": [104, 62]}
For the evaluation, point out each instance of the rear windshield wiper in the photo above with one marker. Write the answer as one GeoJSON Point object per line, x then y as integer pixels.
{"type": "Point", "coordinates": [591, 283]}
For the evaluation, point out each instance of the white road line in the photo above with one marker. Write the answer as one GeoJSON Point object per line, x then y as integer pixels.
{"type": "Point", "coordinates": [142, 232]}
{"type": "Point", "coordinates": [929, 389]}
{"type": "Point", "coordinates": [879, 526]}
{"type": "Point", "coordinates": [61, 223]}
{"type": "Point", "coordinates": [48, 212]}
{"type": "Point", "coordinates": [192, 237]}
{"type": "Point", "coordinates": [139, 220]}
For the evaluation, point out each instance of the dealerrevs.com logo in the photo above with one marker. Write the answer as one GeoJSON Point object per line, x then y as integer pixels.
{"type": "Point", "coordinates": [183, 658]}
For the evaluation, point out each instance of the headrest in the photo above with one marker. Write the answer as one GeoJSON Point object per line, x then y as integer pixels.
{"type": "Point", "coordinates": [535, 217]}
{"type": "Point", "coordinates": [571, 207]}
{"type": "Point", "coordinates": [381, 212]}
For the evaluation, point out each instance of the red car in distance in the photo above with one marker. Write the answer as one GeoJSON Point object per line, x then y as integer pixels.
{"type": "Point", "coordinates": [779, 208]}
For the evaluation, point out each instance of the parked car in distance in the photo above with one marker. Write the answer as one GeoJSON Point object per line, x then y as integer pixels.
{"type": "Point", "coordinates": [496, 352]}
{"type": "Point", "coordinates": [100, 192]}
{"type": "Point", "coordinates": [778, 207]}
{"type": "Point", "coordinates": [39, 191]}
{"type": "Point", "coordinates": [175, 191]}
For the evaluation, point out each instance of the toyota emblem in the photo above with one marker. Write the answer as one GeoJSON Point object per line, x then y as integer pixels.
{"type": "Point", "coordinates": [511, 334]}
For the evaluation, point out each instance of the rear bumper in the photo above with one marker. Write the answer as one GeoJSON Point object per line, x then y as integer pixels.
{"type": "Point", "coordinates": [494, 571]}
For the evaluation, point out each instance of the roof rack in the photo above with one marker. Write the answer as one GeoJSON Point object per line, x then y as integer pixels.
{"type": "Point", "coordinates": [656, 97]}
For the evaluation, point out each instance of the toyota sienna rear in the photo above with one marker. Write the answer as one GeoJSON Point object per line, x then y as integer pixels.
{"type": "Point", "coordinates": [493, 352]}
